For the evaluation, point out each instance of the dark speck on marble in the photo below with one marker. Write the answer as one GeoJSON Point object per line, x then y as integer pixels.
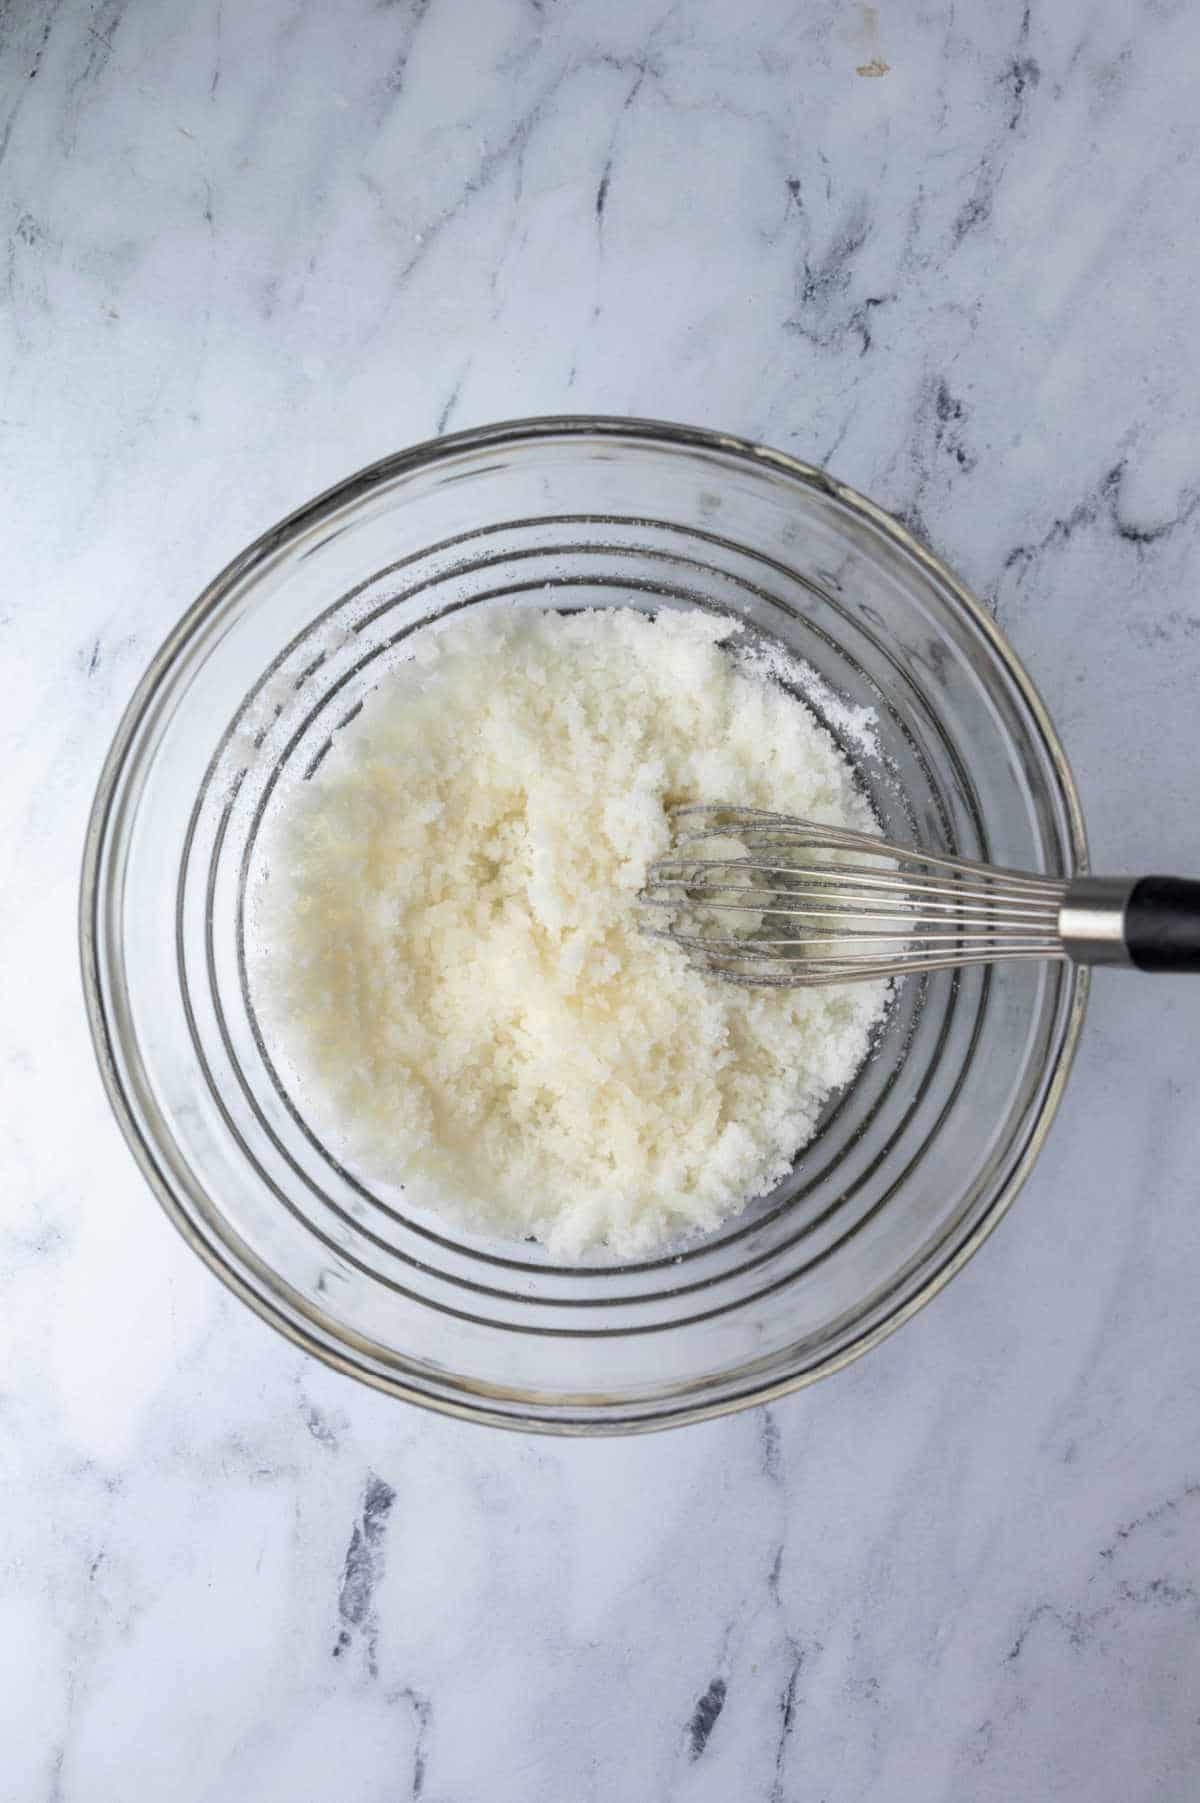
{"type": "Point", "coordinates": [704, 1717]}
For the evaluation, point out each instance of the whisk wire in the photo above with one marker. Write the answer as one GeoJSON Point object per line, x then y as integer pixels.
{"type": "Point", "coordinates": [839, 919]}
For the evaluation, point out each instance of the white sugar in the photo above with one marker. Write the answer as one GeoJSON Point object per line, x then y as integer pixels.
{"type": "Point", "coordinates": [452, 957]}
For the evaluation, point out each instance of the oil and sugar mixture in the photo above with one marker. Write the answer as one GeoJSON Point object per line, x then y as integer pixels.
{"type": "Point", "coordinates": [447, 949]}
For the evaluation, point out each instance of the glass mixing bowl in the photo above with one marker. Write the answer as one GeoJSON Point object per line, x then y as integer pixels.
{"type": "Point", "coordinates": [914, 1163]}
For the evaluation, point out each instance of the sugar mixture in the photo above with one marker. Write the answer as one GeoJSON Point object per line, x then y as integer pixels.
{"type": "Point", "coordinates": [448, 948]}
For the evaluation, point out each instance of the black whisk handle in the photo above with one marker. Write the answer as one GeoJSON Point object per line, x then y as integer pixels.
{"type": "Point", "coordinates": [1162, 923]}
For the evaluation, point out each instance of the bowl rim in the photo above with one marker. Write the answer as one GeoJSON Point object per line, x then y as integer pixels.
{"type": "Point", "coordinates": [477, 1399]}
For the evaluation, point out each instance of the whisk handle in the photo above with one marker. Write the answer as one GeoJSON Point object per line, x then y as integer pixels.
{"type": "Point", "coordinates": [1149, 922]}
{"type": "Point", "coordinates": [1162, 923]}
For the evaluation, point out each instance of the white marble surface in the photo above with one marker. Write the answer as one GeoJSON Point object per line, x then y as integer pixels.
{"type": "Point", "coordinates": [250, 247]}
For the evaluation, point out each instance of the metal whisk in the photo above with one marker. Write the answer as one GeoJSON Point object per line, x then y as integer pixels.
{"type": "Point", "coordinates": [792, 903]}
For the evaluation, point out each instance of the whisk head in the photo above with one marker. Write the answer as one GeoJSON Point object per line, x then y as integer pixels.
{"type": "Point", "coordinates": [766, 900]}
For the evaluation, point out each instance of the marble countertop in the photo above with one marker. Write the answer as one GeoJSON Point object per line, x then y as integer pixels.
{"type": "Point", "coordinates": [948, 250]}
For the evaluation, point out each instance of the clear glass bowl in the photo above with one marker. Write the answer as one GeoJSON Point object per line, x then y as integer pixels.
{"type": "Point", "coordinates": [915, 1162]}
